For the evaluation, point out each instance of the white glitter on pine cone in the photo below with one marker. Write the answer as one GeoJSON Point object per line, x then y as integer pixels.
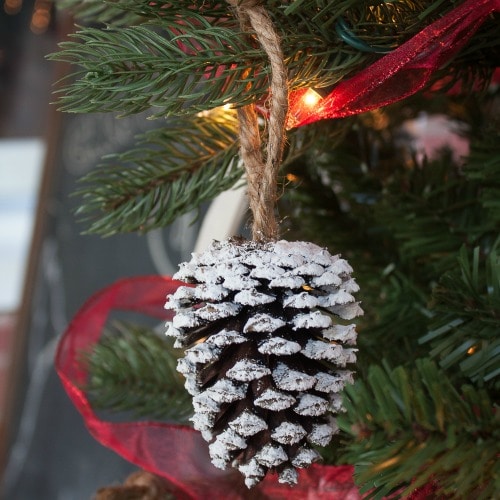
{"type": "Point", "coordinates": [287, 260]}
{"type": "Point", "coordinates": [271, 455]}
{"type": "Point", "coordinates": [314, 319]}
{"type": "Point", "coordinates": [247, 369]}
{"type": "Point", "coordinates": [288, 476]}
{"type": "Point", "coordinates": [251, 297]}
{"type": "Point", "coordinates": [220, 454]}
{"type": "Point", "coordinates": [279, 346]}
{"type": "Point", "coordinates": [309, 269]}
{"type": "Point", "coordinates": [212, 312]}
{"type": "Point", "coordinates": [322, 434]}
{"type": "Point", "coordinates": [288, 433]}
{"type": "Point", "coordinates": [226, 391]}
{"type": "Point", "coordinates": [203, 421]}
{"type": "Point", "coordinates": [292, 380]}
{"type": "Point", "coordinates": [350, 286]}
{"type": "Point", "coordinates": [301, 300]}
{"type": "Point", "coordinates": [248, 424]}
{"type": "Point", "coordinates": [268, 272]}
{"type": "Point", "coordinates": [266, 353]}
{"type": "Point", "coordinates": [305, 457]}
{"type": "Point", "coordinates": [240, 282]}
{"type": "Point", "coordinates": [182, 294]}
{"type": "Point", "coordinates": [213, 292]}
{"type": "Point", "coordinates": [202, 403]}
{"type": "Point", "coordinates": [317, 349]}
{"type": "Point", "coordinates": [287, 281]}
{"type": "Point", "coordinates": [186, 319]}
{"type": "Point", "coordinates": [191, 386]}
{"type": "Point", "coordinates": [252, 471]}
{"type": "Point", "coordinates": [341, 333]}
{"type": "Point", "coordinates": [263, 323]}
{"type": "Point", "coordinates": [335, 382]}
{"type": "Point", "coordinates": [338, 297]}
{"type": "Point", "coordinates": [336, 404]}
{"type": "Point", "coordinates": [274, 400]}
{"type": "Point", "coordinates": [328, 278]}
{"type": "Point", "coordinates": [232, 440]}
{"type": "Point", "coordinates": [185, 367]}
{"type": "Point", "coordinates": [225, 338]}
{"type": "Point", "coordinates": [347, 311]}
{"type": "Point", "coordinates": [311, 405]}
{"type": "Point", "coordinates": [202, 353]}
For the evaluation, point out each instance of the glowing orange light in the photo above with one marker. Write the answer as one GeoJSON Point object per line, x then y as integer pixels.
{"type": "Point", "coordinates": [40, 19]}
{"type": "Point", "coordinates": [471, 350]}
{"type": "Point", "coordinates": [310, 98]}
{"type": "Point", "coordinates": [304, 103]}
{"type": "Point", "coordinates": [12, 7]}
{"type": "Point", "coordinates": [292, 177]}
{"type": "Point", "coordinates": [387, 463]}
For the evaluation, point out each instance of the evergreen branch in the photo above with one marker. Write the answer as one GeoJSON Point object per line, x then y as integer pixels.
{"type": "Point", "coordinates": [137, 68]}
{"type": "Point", "coordinates": [122, 12]}
{"type": "Point", "coordinates": [215, 10]}
{"type": "Point", "coordinates": [466, 307]}
{"type": "Point", "coordinates": [414, 427]}
{"type": "Point", "coordinates": [483, 165]}
{"type": "Point", "coordinates": [133, 369]}
{"type": "Point", "coordinates": [401, 315]}
{"type": "Point", "coordinates": [182, 60]}
{"type": "Point", "coordinates": [172, 171]}
{"type": "Point", "coordinates": [179, 68]}
{"type": "Point", "coordinates": [99, 11]}
{"type": "Point", "coordinates": [438, 213]}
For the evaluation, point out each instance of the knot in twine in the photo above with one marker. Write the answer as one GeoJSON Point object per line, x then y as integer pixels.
{"type": "Point", "coordinates": [262, 174]}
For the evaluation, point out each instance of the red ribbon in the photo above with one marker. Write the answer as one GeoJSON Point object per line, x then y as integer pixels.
{"type": "Point", "coordinates": [400, 73]}
{"type": "Point", "coordinates": [175, 452]}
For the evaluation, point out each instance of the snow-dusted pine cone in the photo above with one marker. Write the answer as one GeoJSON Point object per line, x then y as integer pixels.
{"type": "Point", "coordinates": [265, 359]}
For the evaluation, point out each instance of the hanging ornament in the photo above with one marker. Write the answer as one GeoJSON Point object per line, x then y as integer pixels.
{"type": "Point", "coordinates": [266, 355]}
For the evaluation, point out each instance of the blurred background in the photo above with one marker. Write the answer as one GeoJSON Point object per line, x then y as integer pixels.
{"type": "Point", "coordinates": [28, 31]}
{"type": "Point", "coordinates": [47, 267]}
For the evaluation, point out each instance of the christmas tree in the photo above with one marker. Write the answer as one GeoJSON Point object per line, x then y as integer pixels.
{"type": "Point", "coordinates": [417, 216]}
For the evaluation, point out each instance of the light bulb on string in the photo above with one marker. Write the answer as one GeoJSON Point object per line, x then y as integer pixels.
{"type": "Point", "coordinates": [303, 103]}
{"type": "Point", "coordinates": [12, 7]}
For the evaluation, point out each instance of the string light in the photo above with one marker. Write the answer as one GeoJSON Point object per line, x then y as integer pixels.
{"type": "Point", "coordinates": [40, 18]}
{"type": "Point", "coordinates": [12, 7]}
{"type": "Point", "coordinates": [311, 98]}
{"type": "Point", "coordinates": [305, 101]}
{"type": "Point", "coordinates": [214, 112]}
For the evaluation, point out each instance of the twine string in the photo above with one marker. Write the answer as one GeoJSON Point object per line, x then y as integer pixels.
{"type": "Point", "coordinates": [262, 173]}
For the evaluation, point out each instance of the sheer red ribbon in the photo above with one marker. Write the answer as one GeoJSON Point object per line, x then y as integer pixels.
{"type": "Point", "coordinates": [400, 73]}
{"type": "Point", "coordinates": [177, 453]}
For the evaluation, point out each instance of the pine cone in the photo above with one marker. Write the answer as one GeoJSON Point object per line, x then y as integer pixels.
{"type": "Point", "coordinates": [264, 360]}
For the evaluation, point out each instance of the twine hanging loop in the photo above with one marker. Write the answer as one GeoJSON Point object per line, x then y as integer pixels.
{"type": "Point", "coordinates": [262, 172]}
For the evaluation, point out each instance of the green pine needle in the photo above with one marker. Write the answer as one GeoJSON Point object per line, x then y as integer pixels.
{"type": "Point", "coordinates": [171, 172]}
{"type": "Point", "coordinates": [412, 427]}
{"type": "Point", "coordinates": [466, 307]}
{"type": "Point", "coordinates": [133, 369]}
{"type": "Point", "coordinates": [168, 68]}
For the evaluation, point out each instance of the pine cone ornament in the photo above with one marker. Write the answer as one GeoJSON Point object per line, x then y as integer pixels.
{"type": "Point", "coordinates": [266, 357]}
